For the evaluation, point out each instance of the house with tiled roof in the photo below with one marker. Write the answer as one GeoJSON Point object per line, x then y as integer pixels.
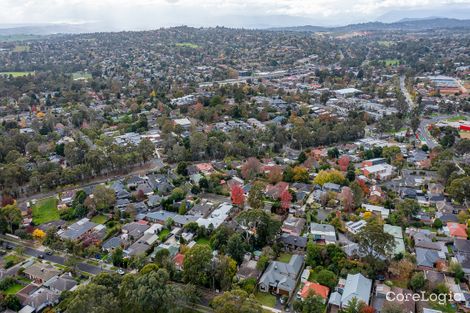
{"type": "Point", "coordinates": [314, 289]}
{"type": "Point", "coordinates": [456, 230]}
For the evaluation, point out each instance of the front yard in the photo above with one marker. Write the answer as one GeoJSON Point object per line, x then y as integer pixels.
{"type": "Point", "coordinates": [266, 299]}
{"type": "Point", "coordinates": [45, 211]}
{"type": "Point", "coordinates": [284, 257]}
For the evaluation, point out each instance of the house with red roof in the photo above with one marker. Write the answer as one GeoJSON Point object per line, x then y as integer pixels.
{"type": "Point", "coordinates": [275, 191]}
{"type": "Point", "coordinates": [313, 288]}
{"type": "Point", "coordinates": [179, 261]}
{"type": "Point", "coordinates": [205, 168]}
{"type": "Point", "coordinates": [456, 230]}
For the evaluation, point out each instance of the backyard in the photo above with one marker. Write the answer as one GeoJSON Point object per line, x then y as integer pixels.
{"type": "Point", "coordinates": [266, 299]}
{"type": "Point", "coordinates": [284, 257]}
{"type": "Point", "coordinates": [45, 211]}
{"type": "Point", "coordinates": [99, 219]}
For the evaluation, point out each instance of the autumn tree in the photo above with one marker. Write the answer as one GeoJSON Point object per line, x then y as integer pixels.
{"type": "Point", "coordinates": [251, 168]}
{"type": "Point", "coordinates": [343, 162]}
{"type": "Point", "coordinates": [237, 195]}
{"type": "Point", "coordinates": [329, 176]}
{"type": "Point", "coordinates": [347, 199]}
{"type": "Point", "coordinates": [300, 174]}
{"type": "Point", "coordinates": [275, 174]}
{"type": "Point", "coordinates": [401, 269]}
{"type": "Point", "coordinates": [286, 199]}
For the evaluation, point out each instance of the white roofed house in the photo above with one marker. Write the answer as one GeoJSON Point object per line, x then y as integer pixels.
{"type": "Point", "coordinates": [323, 233]}
{"type": "Point", "coordinates": [217, 217]}
{"type": "Point", "coordinates": [281, 278]}
{"type": "Point", "coordinates": [182, 122]}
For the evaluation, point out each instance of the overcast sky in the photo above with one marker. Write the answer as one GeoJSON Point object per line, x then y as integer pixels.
{"type": "Point", "coordinates": [140, 14]}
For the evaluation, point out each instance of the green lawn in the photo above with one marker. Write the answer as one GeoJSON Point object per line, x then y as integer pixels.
{"type": "Point", "coordinates": [21, 48]}
{"type": "Point", "coordinates": [163, 234]}
{"type": "Point", "coordinates": [284, 257]}
{"type": "Point", "coordinates": [392, 62]}
{"type": "Point", "coordinates": [266, 299]}
{"type": "Point", "coordinates": [45, 211]}
{"type": "Point", "coordinates": [457, 118]}
{"type": "Point", "coordinates": [187, 44]}
{"type": "Point", "coordinates": [11, 260]}
{"type": "Point", "coordinates": [81, 76]}
{"type": "Point", "coordinates": [202, 241]}
{"type": "Point", "coordinates": [99, 219]}
{"type": "Point", "coordinates": [13, 290]}
{"type": "Point", "coordinates": [16, 74]}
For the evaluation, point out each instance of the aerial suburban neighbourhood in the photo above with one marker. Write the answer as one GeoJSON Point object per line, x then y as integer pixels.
{"type": "Point", "coordinates": [229, 170]}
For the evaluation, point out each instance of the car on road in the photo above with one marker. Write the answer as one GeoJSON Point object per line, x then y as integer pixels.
{"type": "Point", "coordinates": [49, 252]}
{"type": "Point", "coordinates": [41, 256]}
{"type": "Point", "coordinates": [120, 272]}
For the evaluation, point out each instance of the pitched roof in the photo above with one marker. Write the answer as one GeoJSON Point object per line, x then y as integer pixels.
{"type": "Point", "coordinates": [283, 275]}
{"type": "Point", "coordinates": [317, 289]}
{"type": "Point", "coordinates": [357, 286]}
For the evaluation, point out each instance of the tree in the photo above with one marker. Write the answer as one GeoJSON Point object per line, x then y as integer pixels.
{"type": "Point", "coordinates": [347, 199]}
{"type": "Point", "coordinates": [146, 149]}
{"type": "Point", "coordinates": [236, 247]}
{"type": "Point", "coordinates": [358, 194]}
{"type": "Point", "coordinates": [286, 199]}
{"type": "Point", "coordinates": [197, 265]}
{"type": "Point", "coordinates": [10, 215]}
{"type": "Point", "coordinates": [329, 176]}
{"type": "Point", "coordinates": [12, 302]}
{"type": "Point", "coordinates": [312, 304]}
{"type": "Point", "coordinates": [117, 256]}
{"type": "Point", "coordinates": [150, 292]}
{"type": "Point", "coordinates": [103, 199]}
{"type": "Point", "coordinates": [327, 278]}
{"type": "Point", "coordinates": [418, 281]}
{"type": "Point", "coordinates": [262, 225]}
{"type": "Point", "coordinates": [354, 306]}
{"type": "Point", "coordinates": [392, 308]}
{"type": "Point", "coordinates": [437, 223]}
{"type": "Point", "coordinates": [92, 298]}
{"type": "Point", "coordinates": [237, 195]}
{"type": "Point", "coordinates": [300, 174]}
{"type": "Point", "coordinates": [459, 189]}
{"type": "Point", "coordinates": [333, 153]}
{"type": "Point", "coordinates": [39, 234]}
{"type": "Point", "coordinates": [402, 269]}
{"type": "Point", "coordinates": [235, 301]}
{"type": "Point", "coordinates": [343, 162]}
{"type": "Point", "coordinates": [374, 242]}
{"type": "Point", "coordinates": [275, 174]}
{"type": "Point", "coordinates": [251, 168]}
{"type": "Point", "coordinates": [225, 270]}
{"type": "Point", "coordinates": [256, 196]}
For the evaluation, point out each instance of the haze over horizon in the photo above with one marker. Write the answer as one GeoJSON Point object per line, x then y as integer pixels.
{"type": "Point", "coordinates": [147, 14]}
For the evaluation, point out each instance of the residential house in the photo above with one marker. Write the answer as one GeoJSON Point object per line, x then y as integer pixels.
{"type": "Point", "coordinates": [356, 286]}
{"type": "Point", "coordinates": [377, 210]}
{"type": "Point", "coordinates": [248, 268]}
{"type": "Point", "coordinates": [429, 259]}
{"type": "Point", "coordinates": [281, 278]}
{"type": "Point", "coordinates": [293, 225]}
{"type": "Point", "coordinates": [40, 273]}
{"type": "Point", "coordinates": [293, 243]}
{"type": "Point", "coordinates": [323, 233]}
{"type": "Point", "coordinates": [311, 288]}
{"type": "Point", "coordinates": [397, 233]}
{"type": "Point", "coordinates": [77, 230]}
{"type": "Point", "coordinates": [355, 227]}
{"type": "Point", "coordinates": [217, 217]}
{"type": "Point", "coordinates": [456, 230]}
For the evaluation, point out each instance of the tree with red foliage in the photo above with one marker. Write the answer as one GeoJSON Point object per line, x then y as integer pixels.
{"type": "Point", "coordinates": [237, 195]}
{"type": "Point", "coordinates": [251, 168]}
{"type": "Point", "coordinates": [7, 200]}
{"type": "Point", "coordinates": [363, 186]}
{"type": "Point", "coordinates": [286, 198]}
{"type": "Point", "coordinates": [343, 162]}
{"type": "Point", "coordinates": [275, 174]}
{"type": "Point", "coordinates": [367, 309]}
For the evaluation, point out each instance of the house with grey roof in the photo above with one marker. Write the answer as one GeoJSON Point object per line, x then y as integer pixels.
{"type": "Point", "coordinates": [356, 286]}
{"type": "Point", "coordinates": [427, 258]}
{"type": "Point", "coordinates": [293, 243]}
{"type": "Point", "coordinates": [77, 229]}
{"type": "Point", "coordinates": [112, 243]}
{"type": "Point", "coordinates": [281, 278]}
{"type": "Point", "coordinates": [323, 233]}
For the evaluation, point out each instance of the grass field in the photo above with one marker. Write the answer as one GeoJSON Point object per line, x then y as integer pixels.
{"type": "Point", "coordinates": [81, 76]}
{"type": "Point", "coordinates": [392, 62]}
{"type": "Point", "coordinates": [266, 299]}
{"type": "Point", "coordinates": [13, 290]}
{"type": "Point", "coordinates": [457, 118]}
{"type": "Point", "coordinates": [187, 44]}
{"type": "Point", "coordinates": [99, 219]}
{"type": "Point", "coordinates": [385, 43]}
{"type": "Point", "coordinates": [284, 257]}
{"type": "Point", "coordinates": [21, 48]}
{"type": "Point", "coordinates": [45, 211]}
{"type": "Point", "coordinates": [163, 234]}
{"type": "Point", "coordinates": [202, 241]}
{"type": "Point", "coordinates": [16, 74]}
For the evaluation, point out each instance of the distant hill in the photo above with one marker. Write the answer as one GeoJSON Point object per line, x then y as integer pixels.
{"type": "Point", "coordinates": [44, 29]}
{"type": "Point", "coordinates": [404, 24]}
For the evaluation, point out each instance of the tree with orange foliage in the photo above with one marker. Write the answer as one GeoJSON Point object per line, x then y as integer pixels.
{"type": "Point", "coordinates": [39, 234]}
{"type": "Point", "coordinates": [343, 162]}
{"type": "Point", "coordinates": [237, 195]}
{"type": "Point", "coordinates": [367, 309]}
{"type": "Point", "coordinates": [286, 199]}
{"type": "Point", "coordinates": [251, 168]}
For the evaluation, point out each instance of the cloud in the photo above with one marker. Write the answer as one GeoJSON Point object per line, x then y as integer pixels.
{"type": "Point", "coordinates": [156, 13]}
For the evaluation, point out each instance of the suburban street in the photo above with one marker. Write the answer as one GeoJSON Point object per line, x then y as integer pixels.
{"type": "Point", "coordinates": [405, 92]}
{"type": "Point", "coordinates": [59, 259]}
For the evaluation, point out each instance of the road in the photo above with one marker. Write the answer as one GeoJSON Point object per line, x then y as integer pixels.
{"type": "Point", "coordinates": [409, 101]}
{"type": "Point", "coordinates": [58, 259]}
